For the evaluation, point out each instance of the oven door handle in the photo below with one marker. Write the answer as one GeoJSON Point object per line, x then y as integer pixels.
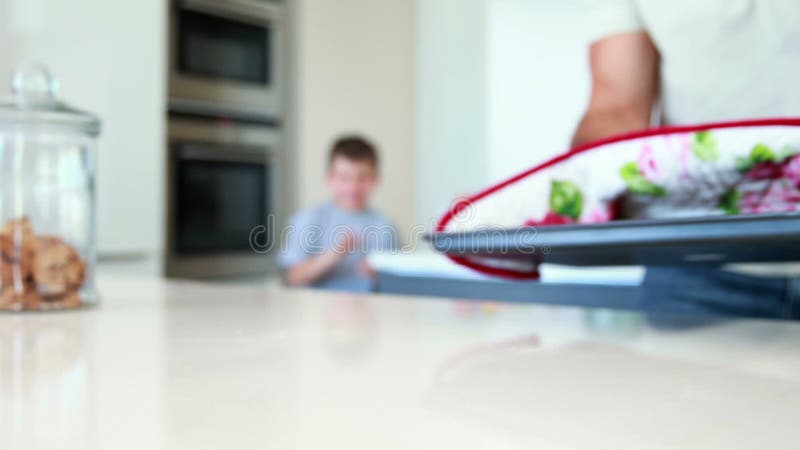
{"type": "Point", "coordinates": [233, 9]}
{"type": "Point", "coordinates": [213, 152]}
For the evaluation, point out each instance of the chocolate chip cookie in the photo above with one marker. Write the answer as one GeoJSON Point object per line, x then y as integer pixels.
{"type": "Point", "coordinates": [57, 267]}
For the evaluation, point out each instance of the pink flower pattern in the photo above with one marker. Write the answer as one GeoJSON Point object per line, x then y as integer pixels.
{"type": "Point", "coordinates": [599, 215]}
{"type": "Point", "coordinates": [685, 155]}
{"type": "Point", "coordinates": [792, 170]}
{"type": "Point", "coordinates": [779, 196]}
{"type": "Point", "coordinates": [765, 171]}
{"type": "Point", "coordinates": [550, 218]}
{"type": "Point", "coordinates": [647, 164]}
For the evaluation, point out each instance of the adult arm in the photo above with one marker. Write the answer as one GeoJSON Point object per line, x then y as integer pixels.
{"type": "Point", "coordinates": [624, 71]}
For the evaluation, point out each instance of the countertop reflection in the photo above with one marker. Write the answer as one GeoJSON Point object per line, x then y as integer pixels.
{"type": "Point", "coordinates": [187, 365]}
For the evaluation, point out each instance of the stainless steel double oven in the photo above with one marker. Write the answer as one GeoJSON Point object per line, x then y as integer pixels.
{"type": "Point", "coordinates": [224, 136]}
{"type": "Point", "coordinates": [227, 54]}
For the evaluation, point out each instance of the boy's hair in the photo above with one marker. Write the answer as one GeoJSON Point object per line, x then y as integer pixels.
{"type": "Point", "coordinates": [354, 148]}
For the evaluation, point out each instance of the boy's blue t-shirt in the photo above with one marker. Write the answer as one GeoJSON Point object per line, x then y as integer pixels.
{"type": "Point", "coordinates": [316, 230]}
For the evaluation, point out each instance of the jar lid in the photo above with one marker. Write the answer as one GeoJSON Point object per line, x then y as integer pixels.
{"type": "Point", "coordinates": [34, 102]}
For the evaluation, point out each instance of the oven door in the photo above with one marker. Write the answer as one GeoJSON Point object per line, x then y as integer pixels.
{"type": "Point", "coordinates": [226, 54]}
{"type": "Point", "coordinates": [221, 189]}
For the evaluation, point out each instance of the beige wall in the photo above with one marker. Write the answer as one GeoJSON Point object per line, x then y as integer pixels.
{"type": "Point", "coordinates": [354, 73]}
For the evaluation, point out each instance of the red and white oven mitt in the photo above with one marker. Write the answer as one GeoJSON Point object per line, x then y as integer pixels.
{"type": "Point", "coordinates": [746, 167]}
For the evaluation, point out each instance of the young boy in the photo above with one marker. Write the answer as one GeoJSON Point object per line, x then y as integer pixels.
{"type": "Point", "coordinates": [327, 245]}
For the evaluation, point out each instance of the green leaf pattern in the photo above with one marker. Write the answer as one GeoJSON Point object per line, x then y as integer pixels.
{"type": "Point", "coordinates": [566, 199]}
{"type": "Point", "coordinates": [704, 146]}
{"type": "Point", "coordinates": [761, 153]}
{"type": "Point", "coordinates": [729, 203]}
{"type": "Point", "coordinates": [637, 183]}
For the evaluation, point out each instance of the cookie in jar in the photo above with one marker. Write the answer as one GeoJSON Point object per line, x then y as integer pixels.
{"type": "Point", "coordinates": [38, 271]}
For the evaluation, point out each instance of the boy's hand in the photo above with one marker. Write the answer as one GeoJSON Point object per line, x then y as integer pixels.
{"type": "Point", "coordinates": [365, 269]}
{"type": "Point", "coordinates": [317, 266]}
{"type": "Point", "coordinates": [347, 244]}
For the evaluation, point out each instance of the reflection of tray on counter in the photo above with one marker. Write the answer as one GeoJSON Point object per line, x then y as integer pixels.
{"type": "Point", "coordinates": [708, 240]}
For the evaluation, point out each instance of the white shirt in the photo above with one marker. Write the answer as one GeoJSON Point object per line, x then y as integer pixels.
{"type": "Point", "coordinates": [720, 59]}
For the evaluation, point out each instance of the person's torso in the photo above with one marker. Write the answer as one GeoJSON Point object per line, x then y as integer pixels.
{"type": "Point", "coordinates": [373, 232]}
{"type": "Point", "coordinates": [726, 59]}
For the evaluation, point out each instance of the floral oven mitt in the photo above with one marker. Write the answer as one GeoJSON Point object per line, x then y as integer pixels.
{"type": "Point", "coordinates": [728, 168]}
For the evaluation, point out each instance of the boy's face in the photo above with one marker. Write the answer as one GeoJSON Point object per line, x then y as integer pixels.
{"type": "Point", "coordinates": [351, 182]}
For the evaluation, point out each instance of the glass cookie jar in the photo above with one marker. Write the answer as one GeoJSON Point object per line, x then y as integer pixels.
{"type": "Point", "coordinates": [47, 197]}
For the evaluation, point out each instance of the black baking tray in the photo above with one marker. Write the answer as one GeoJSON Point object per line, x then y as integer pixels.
{"type": "Point", "coordinates": [706, 240]}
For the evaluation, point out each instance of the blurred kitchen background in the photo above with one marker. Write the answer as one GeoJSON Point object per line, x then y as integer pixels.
{"type": "Point", "coordinates": [200, 101]}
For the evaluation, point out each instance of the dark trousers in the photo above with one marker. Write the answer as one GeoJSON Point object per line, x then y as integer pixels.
{"type": "Point", "coordinates": [712, 292]}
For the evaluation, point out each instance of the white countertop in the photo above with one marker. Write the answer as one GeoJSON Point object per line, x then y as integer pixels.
{"type": "Point", "coordinates": [193, 366]}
